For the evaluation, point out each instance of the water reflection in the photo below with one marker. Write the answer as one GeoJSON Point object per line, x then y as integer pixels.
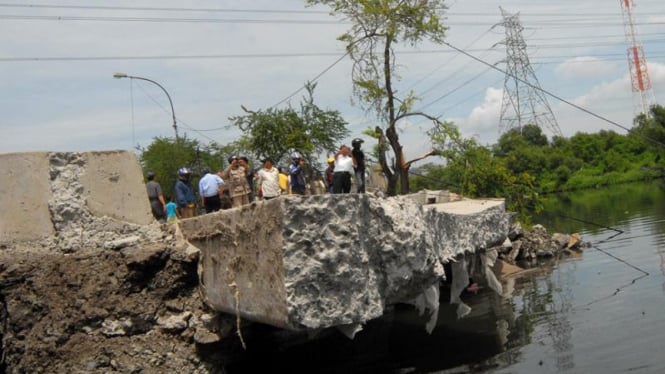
{"type": "Point", "coordinates": [601, 311]}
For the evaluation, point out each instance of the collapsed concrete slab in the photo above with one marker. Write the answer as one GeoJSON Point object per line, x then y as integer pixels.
{"type": "Point", "coordinates": [309, 262]}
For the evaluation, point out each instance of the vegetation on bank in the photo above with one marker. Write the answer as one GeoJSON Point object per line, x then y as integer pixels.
{"type": "Point", "coordinates": [524, 162]}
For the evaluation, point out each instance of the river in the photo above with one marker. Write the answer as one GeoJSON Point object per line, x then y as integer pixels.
{"type": "Point", "coordinates": [602, 311]}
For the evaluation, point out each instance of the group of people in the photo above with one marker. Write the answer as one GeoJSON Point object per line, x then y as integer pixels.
{"type": "Point", "coordinates": [234, 186]}
{"type": "Point", "coordinates": [346, 164]}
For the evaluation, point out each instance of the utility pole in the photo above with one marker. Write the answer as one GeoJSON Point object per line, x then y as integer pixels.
{"type": "Point", "coordinates": [523, 101]}
{"type": "Point", "coordinates": [637, 63]}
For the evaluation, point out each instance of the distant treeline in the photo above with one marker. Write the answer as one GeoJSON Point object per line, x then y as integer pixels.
{"type": "Point", "coordinates": [525, 163]}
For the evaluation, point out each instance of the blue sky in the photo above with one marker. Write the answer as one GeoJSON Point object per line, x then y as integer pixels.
{"type": "Point", "coordinates": [59, 94]}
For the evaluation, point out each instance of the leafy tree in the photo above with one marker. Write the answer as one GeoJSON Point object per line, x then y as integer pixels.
{"type": "Point", "coordinates": [651, 130]}
{"type": "Point", "coordinates": [164, 156]}
{"type": "Point", "coordinates": [377, 26]}
{"type": "Point", "coordinates": [276, 132]}
{"type": "Point", "coordinates": [533, 135]}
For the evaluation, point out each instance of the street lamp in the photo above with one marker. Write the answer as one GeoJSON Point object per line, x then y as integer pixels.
{"type": "Point", "coordinates": [123, 75]}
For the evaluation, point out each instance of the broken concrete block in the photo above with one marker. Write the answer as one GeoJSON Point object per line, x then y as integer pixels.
{"type": "Point", "coordinates": [122, 242]}
{"type": "Point", "coordinates": [309, 262]}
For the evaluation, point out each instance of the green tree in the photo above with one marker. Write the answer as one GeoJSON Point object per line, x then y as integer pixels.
{"type": "Point", "coordinates": [275, 132]}
{"type": "Point", "coordinates": [164, 156]}
{"type": "Point", "coordinates": [377, 26]}
{"type": "Point", "coordinates": [651, 129]}
{"type": "Point", "coordinates": [533, 135]}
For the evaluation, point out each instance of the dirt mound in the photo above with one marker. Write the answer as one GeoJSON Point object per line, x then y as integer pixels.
{"type": "Point", "coordinates": [128, 311]}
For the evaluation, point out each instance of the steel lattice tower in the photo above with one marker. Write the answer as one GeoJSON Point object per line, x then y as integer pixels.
{"type": "Point", "coordinates": [523, 102]}
{"type": "Point", "coordinates": [637, 63]}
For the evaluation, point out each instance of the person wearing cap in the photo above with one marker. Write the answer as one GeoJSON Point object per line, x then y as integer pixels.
{"type": "Point", "coordinates": [157, 203]}
{"type": "Point", "coordinates": [210, 188]}
{"type": "Point", "coordinates": [344, 169]}
{"type": "Point", "coordinates": [359, 156]}
{"type": "Point", "coordinates": [184, 194]}
{"type": "Point", "coordinates": [329, 174]}
{"type": "Point", "coordinates": [297, 174]}
{"type": "Point", "coordinates": [236, 178]}
{"type": "Point", "coordinates": [268, 180]}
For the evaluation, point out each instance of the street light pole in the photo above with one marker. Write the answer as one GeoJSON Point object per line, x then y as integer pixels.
{"type": "Point", "coordinates": [123, 75]}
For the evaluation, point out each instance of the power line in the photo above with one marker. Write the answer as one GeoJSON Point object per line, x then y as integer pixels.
{"type": "Point", "coordinates": [283, 55]}
{"type": "Point", "coordinates": [450, 92]}
{"type": "Point", "coordinates": [552, 94]}
{"type": "Point", "coordinates": [60, 18]}
{"type": "Point", "coordinates": [313, 80]}
{"type": "Point", "coordinates": [167, 19]}
{"type": "Point", "coordinates": [182, 123]}
{"type": "Point", "coordinates": [277, 11]}
{"type": "Point", "coordinates": [164, 9]}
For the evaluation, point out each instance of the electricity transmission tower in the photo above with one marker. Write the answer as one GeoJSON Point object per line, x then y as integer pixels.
{"type": "Point", "coordinates": [524, 103]}
{"type": "Point", "coordinates": [637, 63]}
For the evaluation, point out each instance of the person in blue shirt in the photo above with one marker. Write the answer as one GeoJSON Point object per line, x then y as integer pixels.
{"type": "Point", "coordinates": [210, 188]}
{"type": "Point", "coordinates": [297, 174]}
{"type": "Point", "coordinates": [171, 211]}
{"type": "Point", "coordinates": [184, 194]}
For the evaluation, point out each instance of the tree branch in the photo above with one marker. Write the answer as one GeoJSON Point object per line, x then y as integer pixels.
{"type": "Point", "coordinates": [421, 114]}
{"type": "Point", "coordinates": [433, 152]}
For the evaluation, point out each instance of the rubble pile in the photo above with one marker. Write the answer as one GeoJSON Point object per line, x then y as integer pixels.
{"type": "Point", "coordinates": [76, 227]}
{"type": "Point", "coordinates": [528, 246]}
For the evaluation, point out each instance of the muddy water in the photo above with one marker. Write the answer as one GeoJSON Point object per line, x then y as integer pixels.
{"type": "Point", "coordinates": [600, 312]}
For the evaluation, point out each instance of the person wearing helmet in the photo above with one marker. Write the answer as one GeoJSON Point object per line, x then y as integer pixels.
{"type": "Point", "coordinates": [297, 174]}
{"type": "Point", "coordinates": [236, 177]}
{"type": "Point", "coordinates": [329, 174]}
{"type": "Point", "coordinates": [184, 194]}
{"type": "Point", "coordinates": [156, 197]}
{"type": "Point", "coordinates": [359, 156]}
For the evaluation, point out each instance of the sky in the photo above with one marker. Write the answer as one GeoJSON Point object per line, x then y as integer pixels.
{"type": "Point", "coordinates": [58, 58]}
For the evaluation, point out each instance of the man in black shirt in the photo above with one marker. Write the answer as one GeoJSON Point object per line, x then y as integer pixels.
{"type": "Point", "coordinates": [359, 155]}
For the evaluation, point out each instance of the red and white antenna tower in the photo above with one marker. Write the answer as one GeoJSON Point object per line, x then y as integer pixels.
{"type": "Point", "coordinates": [637, 63]}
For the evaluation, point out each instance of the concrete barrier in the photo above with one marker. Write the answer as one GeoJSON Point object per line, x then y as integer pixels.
{"type": "Point", "coordinates": [70, 194]}
{"type": "Point", "coordinates": [24, 192]}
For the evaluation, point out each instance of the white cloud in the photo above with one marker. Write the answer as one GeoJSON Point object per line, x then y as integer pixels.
{"type": "Point", "coordinates": [483, 120]}
{"type": "Point", "coordinates": [584, 67]}
{"type": "Point", "coordinates": [76, 105]}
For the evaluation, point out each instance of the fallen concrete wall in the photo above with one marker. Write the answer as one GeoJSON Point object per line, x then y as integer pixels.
{"type": "Point", "coordinates": [24, 191]}
{"type": "Point", "coordinates": [68, 200]}
{"type": "Point", "coordinates": [113, 184]}
{"type": "Point", "coordinates": [308, 262]}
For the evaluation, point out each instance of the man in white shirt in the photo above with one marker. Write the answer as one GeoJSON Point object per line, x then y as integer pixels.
{"type": "Point", "coordinates": [210, 187]}
{"type": "Point", "coordinates": [268, 180]}
{"type": "Point", "coordinates": [344, 169]}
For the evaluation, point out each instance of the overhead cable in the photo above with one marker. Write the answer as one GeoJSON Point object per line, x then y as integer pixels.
{"type": "Point", "coordinates": [548, 93]}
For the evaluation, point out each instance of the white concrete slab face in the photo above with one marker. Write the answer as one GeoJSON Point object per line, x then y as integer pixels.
{"type": "Point", "coordinates": [24, 194]}
{"type": "Point", "coordinates": [328, 260]}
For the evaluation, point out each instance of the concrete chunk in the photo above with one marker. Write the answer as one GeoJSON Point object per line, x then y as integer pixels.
{"type": "Point", "coordinates": [24, 191]}
{"type": "Point", "coordinates": [308, 262]}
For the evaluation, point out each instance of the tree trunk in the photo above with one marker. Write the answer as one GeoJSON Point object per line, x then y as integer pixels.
{"type": "Point", "coordinates": [392, 178]}
{"type": "Point", "coordinates": [391, 131]}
